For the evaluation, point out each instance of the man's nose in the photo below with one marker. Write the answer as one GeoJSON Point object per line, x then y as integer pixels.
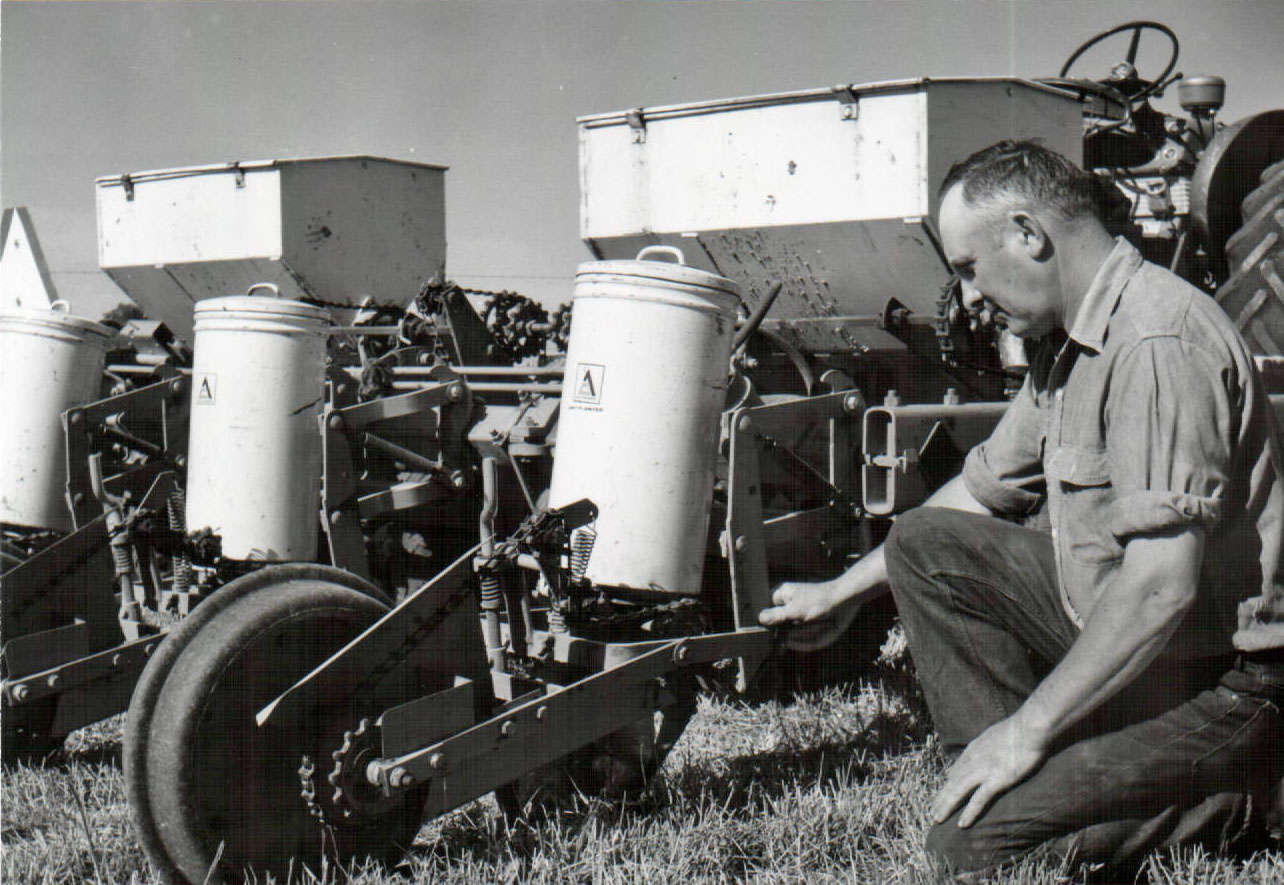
{"type": "Point", "coordinates": [971, 296]}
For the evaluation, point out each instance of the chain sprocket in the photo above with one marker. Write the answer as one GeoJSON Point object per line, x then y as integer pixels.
{"type": "Point", "coordinates": [351, 798]}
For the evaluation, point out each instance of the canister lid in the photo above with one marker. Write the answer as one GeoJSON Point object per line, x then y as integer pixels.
{"type": "Point", "coordinates": [54, 318]}
{"type": "Point", "coordinates": [250, 305]}
{"type": "Point", "coordinates": [649, 268]}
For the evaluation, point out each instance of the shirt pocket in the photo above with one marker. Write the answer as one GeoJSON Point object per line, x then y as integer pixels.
{"type": "Point", "coordinates": [1081, 481]}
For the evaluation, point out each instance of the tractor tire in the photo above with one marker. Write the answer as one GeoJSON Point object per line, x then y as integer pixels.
{"type": "Point", "coordinates": [215, 797]}
{"type": "Point", "coordinates": [1272, 180]}
{"type": "Point", "coordinates": [1253, 294]}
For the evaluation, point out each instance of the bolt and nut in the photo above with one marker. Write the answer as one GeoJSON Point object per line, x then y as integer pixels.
{"type": "Point", "coordinates": [400, 778]}
{"type": "Point", "coordinates": [20, 693]}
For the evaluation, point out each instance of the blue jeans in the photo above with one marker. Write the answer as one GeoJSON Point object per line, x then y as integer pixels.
{"type": "Point", "coordinates": [1186, 754]}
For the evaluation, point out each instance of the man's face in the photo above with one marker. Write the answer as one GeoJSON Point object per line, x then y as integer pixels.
{"type": "Point", "coordinates": [1002, 274]}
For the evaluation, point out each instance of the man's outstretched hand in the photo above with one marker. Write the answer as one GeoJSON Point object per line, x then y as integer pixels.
{"type": "Point", "coordinates": [815, 614]}
{"type": "Point", "coordinates": [998, 759]}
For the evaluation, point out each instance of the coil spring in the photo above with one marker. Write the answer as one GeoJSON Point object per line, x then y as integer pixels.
{"type": "Point", "coordinates": [182, 565]}
{"type": "Point", "coordinates": [491, 595]}
{"type": "Point", "coordinates": [121, 556]}
{"type": "Point", "coordinates": [581, 550]}
{"type": "Point", "coordinates": [556, 620]}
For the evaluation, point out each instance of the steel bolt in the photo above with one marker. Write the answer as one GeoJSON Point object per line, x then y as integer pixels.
{"type": "Point", "coordinates": [117, 660]}
{"type": "Point", "coordinates": [149, 648]}
{"type": "Point", "coordinates": [540, 713]}
{"type": "Point", "coordinates": [681, 653]}
{"type": "Point", "coordinates": [507, 729]}
{"type": "Point", "coordinates": [20, 692]}
{"type": "Point", "coordinates": [457, 480]}
{"type": "Point", "coordinates": [851, 402]}
{"type": "Point", "coordinates": [455, 393]}
{"type": "Point", "coordinates": [400, 778]}
{"type": "Point", "coordinates": [52, 681]}
{"type": "Point", "coordinates": [78, 499]}
{"type": "Point", "coordinates": [437, 761]}
{"type": "Point", "coordinates": [336, 422]}
{"type": "Point", "coordinates": [180, 461]}
{"type": "Point", "coordinates": [742, 543]}
{"type": "Point", "coordinates": [745, 423]}
{"type": "Point", "coordinates": [177, 386]}
{"type": "Point", "coordinates": [336, 517]}
{"type": "Point", "coordinates": [75, 418]}
{"type": "Point", "coordinates": [425, 359]}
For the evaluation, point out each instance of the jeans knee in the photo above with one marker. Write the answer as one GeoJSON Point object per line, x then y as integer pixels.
{"type": "Point", "coordinates": [951, 849]}
{"type": "Point", "coordinates": [961, 850]}
{"type": "Point", "coordinates": [916, 538]}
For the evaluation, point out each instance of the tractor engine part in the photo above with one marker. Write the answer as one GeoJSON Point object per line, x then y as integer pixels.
{"type": "Point", "coordinates": [1201, 96]}
{"type": "Point", "coordinates": [50, 361]}
{"type": "Point", "coordinates": [646, 376]}
{"type": "Point", "coordinates": [254, 459]}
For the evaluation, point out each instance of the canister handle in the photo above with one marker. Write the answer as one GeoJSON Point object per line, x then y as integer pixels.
{"type": "Point", "coordinates": [672, 251]}
{"type": "Point", "coordinates": [271, 287]}
{"type": "Point", "coordinates": [60, 306]}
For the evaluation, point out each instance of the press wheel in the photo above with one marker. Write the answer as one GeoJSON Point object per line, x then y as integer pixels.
{"type": "Point", "coordinates": [209, 789]}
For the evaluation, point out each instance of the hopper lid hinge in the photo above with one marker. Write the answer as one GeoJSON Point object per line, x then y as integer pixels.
{"type": "Point", "coordinates": [127, 182]}
{"type": "Point", "coordinates": [235, 166]}
{"type": "Point", "coordinates": [637, 123]}
{"type": "Point", "coordinates": [849, 100]}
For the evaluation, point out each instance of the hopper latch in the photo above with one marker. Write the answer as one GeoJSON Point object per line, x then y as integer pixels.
{"type": "Point", "coordinates": [235, 166]}
{"type": "Point", "coordinates": [638, 124]}
{"type": "Point", "coordinates": [849, 100]}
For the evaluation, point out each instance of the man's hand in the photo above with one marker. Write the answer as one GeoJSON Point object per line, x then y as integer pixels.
{"type": "Point", "coordinates": [998, 758]}
{"type": "Point", "coordinates": [816, 614]}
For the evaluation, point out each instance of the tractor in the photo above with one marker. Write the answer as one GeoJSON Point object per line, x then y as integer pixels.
{"type": "Point", "coordinates": [450, 543]}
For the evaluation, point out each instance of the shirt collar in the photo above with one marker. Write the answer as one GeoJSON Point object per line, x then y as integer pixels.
{"type": "Point", "coordinates": [1103, 294]}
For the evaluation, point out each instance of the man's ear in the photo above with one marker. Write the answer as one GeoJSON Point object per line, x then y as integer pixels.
{"type": "Point", "coordinates": [1032, 234]}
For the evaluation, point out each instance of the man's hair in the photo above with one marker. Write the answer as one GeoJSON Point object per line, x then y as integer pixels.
{"type": "Point", "coordinates": [1029, 172]}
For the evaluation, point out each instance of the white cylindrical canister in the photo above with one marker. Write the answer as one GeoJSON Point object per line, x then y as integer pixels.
{"type": "Point", "coordinates": [254, 456]}
{"type": "Point", "coordinates": [646, 375]}
{"type": "Point", "coordinates": [50, 361]}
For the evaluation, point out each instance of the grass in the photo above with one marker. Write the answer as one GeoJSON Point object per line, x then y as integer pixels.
{"type": "Point", "coordinates": [828, 787]}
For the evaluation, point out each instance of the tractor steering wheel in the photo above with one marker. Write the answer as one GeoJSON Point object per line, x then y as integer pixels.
{"type": "Point", "coordinates": [1125, 71]}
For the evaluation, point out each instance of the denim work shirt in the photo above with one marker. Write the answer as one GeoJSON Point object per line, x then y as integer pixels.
{"type": "Point", "coordinates": [1149, 418]}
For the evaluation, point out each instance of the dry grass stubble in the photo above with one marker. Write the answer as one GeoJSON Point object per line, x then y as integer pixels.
{"type": "Point", "coordinates": [829, 787]}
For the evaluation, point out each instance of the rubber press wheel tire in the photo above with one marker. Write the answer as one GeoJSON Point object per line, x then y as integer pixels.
{"type": "Point", "coordinates": [219, 792]}
{"type": "Point", "coordinates": [1253, 295]}
{"type": "Point", "coordinates": [142, 704]}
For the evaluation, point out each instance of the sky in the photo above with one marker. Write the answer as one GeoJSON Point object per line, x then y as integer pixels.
{"type": "Point", "coordinates": [492, 88]}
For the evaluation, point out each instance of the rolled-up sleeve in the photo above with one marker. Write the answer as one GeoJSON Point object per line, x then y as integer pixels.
{"type": "Point", "coordinates": [1170, 435]}
{"type": "Point", "coordinates": [1005, 473]}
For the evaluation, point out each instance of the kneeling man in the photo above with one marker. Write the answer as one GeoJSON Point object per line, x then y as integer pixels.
{"type": "Point", "coordinates": [1112, 685]}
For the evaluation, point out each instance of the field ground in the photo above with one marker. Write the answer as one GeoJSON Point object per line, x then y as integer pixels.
{"type": "Point", "coordinates": [831, 786]}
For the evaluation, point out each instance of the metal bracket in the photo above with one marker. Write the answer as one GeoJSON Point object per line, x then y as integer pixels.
{"type": "Point", "coordinates": [638, 124]}
{"type": "Point", "coordinates": [235, 166]}
{"type": "Point", "coordinates": [849, 100]}
{"type": "Point", "coordinates": [128, 184]}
